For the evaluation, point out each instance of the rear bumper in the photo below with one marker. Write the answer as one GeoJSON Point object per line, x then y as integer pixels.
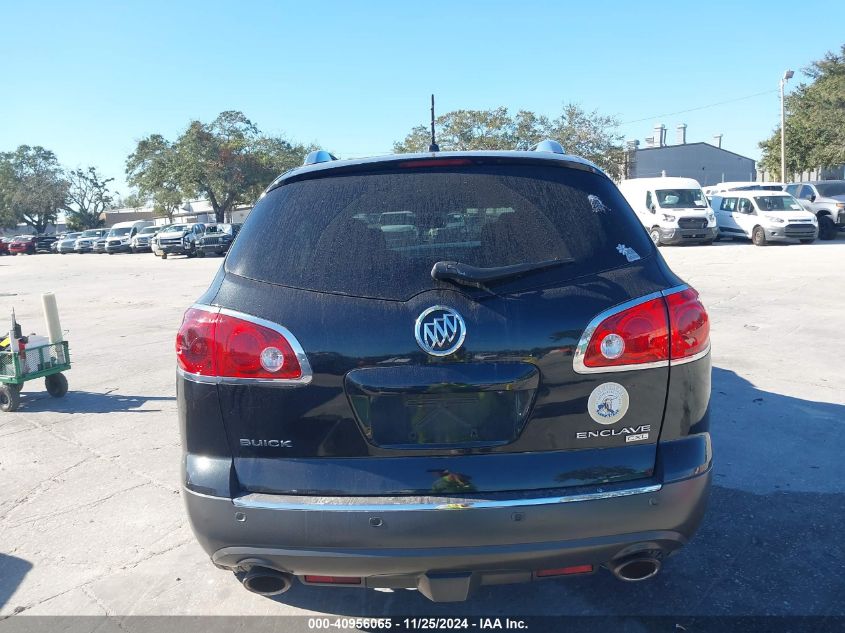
{"type": "Point", "coordinates": [389, 542]}
{"type": "Point", "coordinates": [173, 249]}
{"type": "Point", "coordinates": [217, 249]}
{"type": "Point", "coordinates": [684, 236]}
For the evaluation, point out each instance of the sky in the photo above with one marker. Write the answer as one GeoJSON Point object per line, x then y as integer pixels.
{"type": "Point", "coordinates": [89, 79]}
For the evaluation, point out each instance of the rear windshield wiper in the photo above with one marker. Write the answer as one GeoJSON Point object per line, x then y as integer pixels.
{"type": "Point", "coordinates": [477, 277]}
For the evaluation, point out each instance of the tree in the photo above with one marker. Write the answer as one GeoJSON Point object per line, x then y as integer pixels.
{"type": "Point", "coordinates": [228, 161]}
{"type": "Point", "coordinates": [132, 201]}
{"type": "Point", "coordinates": [88, 197]}
{"type": "Point", "coordinates": [32, 188]}
{"type": "Point", "coordinates": [464, 130]}
{"type": "Point", "coordinates": [591, 136]}
{"type": "Point", "coordinates": [152, 168]}
{"type": "Point", "coordinates": [815, 121]}
{"type": "Point", "coordinates": [586, 134]}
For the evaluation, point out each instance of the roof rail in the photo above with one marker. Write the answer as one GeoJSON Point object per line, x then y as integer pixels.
{"type": "Point", "coordinates": [548, 145]}
{"type": "Point", "coordinates": [318, 156]}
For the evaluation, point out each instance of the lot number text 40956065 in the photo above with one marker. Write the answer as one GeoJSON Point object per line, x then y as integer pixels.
{"type": "Point", "coordinates": [418, 624]}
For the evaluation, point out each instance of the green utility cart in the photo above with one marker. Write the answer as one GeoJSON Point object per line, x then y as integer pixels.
{"type": "Point", "coordinates": [39, 361]}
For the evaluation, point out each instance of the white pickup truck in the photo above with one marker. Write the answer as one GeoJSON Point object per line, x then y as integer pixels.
{"type": "Point", "coordinates": [826, 200]}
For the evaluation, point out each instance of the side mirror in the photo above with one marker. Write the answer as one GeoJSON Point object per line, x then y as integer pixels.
{"type": "Point", "coordinates": [812, 197]}
{"type": "Point", "coordinates": [653, 209]}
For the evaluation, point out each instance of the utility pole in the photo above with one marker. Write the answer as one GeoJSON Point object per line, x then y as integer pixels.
{"type": "Point", "coordinates": [786, 77]}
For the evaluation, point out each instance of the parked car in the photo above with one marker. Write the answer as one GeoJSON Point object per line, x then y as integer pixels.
{"type": "Point", "coordinates": [455, 229]}
{"type": "Point", "coordinates": [119, 238]}
{"type": "Point", "coordinates": [22, 244]}
{"type": "Point", "coordinates": [154, 247]}
{"type": "Point", "coordinates": [764, 216]}
{"type": "Point", "coordinates": [527, 405]}
{"type": "Point", "coordinates": [179, 239]}
{"type": "Point", "coordinates": [826, 200]}
{"type": "Point", "coordinates": [67, 243]}
{"type": "Point", "coordinates": [399, 227]}
{"type": "Point", "coordinates": [673, 210]}
{"type": "Point", "coordinates": [143, 238]}
{"type": "Point", "coordinates": [87, 239]}
{"type": "Point", "coordinates": [216, 239]}
{"type": "Point", "coordinates": [44, 243]}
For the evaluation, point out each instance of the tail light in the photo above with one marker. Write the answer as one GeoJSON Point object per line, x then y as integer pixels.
{"type": "Point", "coordinates": [689, 325]}
{"type": "Point", "coordinates": [663, 328]}
{"type": "Point", "coordinates": [638, 335]}
{"type": "Point", "coordinates": [216, 345]}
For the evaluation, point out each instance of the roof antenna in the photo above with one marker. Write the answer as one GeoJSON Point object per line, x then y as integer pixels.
{"type": "Point", "coordinates": [434, 147]}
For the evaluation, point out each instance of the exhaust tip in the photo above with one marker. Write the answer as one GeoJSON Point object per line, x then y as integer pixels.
{"type": "Point", "coordinates": [636, 569]}
{"type": "Point", "coordinates": [267, 582]}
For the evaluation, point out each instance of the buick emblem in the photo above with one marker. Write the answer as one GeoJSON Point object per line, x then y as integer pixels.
{"type": "Point", "coordinates": [440, 331]}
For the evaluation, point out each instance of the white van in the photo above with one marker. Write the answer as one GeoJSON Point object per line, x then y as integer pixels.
{"type": "Point", "coordinates": [673, 210]}
{"type": "Point", "coordinates": [714, 190]}
{"type": "Point", "coordinates": [764, 216]}
{"type": "Point", "coordinates": [119, 239]}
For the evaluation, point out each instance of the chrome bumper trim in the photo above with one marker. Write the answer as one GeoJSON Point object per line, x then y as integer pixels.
{"type": "Point", "coordinates": [258, 501]}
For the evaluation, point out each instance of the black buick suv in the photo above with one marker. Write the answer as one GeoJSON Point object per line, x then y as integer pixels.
{"type": "Point", "coordinates": [440, 371]}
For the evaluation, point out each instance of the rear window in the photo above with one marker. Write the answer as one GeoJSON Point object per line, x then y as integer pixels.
{"type": "Point", "coordinates": [378, 234]}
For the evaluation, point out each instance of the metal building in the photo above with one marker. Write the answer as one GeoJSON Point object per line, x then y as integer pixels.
{"type": "Point", "coordinates": [708, 163]}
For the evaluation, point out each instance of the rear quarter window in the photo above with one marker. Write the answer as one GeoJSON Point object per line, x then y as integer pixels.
{"type": "Point", "coordinates": [378, 234]}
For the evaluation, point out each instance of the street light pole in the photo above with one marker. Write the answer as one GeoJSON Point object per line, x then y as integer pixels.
{"type": "Point", "coordinates": [786, 77]}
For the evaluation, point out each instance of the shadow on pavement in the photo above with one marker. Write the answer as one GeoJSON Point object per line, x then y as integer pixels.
{"type": "Point", "coordinates": [12, 572]}
{"type": "Point", "coordinates": [770, 543]}
{"type": "Point", "coordinates": [778, 554]}
{"type": "Point", "coordinates": [87, 402]}
{"type": "Point", "coordinates": [725, 241]}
